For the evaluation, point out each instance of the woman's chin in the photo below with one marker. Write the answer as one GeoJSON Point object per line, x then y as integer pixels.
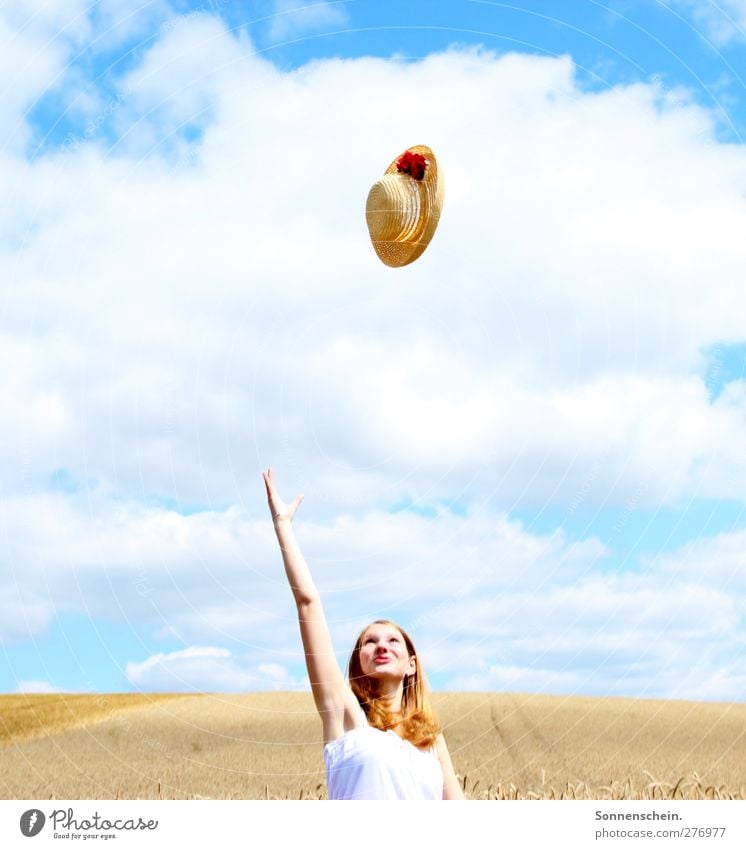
{"type": "Point", "coordinates": [381, 673]}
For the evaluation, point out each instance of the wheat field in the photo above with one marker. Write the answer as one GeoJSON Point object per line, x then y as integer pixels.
{"type": "Point", "coordinates": [268, 746]}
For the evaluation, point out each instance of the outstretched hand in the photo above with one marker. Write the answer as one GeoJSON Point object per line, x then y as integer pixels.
{"type": "Point", "coordinates": [279, 509]}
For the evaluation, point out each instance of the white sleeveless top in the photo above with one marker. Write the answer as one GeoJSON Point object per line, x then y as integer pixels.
{"type": "Point", "coordinates": [367, 763]}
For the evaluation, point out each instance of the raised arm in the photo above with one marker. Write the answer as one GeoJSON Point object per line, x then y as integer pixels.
{"type": "Point", "coordinates": [334, 699]}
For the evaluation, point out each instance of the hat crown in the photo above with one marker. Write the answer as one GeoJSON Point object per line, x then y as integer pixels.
{"type": "Point", "coordinates": [402, 211]}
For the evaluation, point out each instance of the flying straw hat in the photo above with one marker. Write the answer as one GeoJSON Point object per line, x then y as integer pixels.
{"type": "Point", "coordinates": [403, 207]}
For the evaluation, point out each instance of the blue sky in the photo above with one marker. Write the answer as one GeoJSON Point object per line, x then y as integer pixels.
{"type": "Point", "coordinates": [526, 447]}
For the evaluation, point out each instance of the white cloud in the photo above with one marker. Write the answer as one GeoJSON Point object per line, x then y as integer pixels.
{"type": "Point", "coordinates": [38, 687]}
{"type": "Point", "coordinates": [24, 612]}
{"type": "Point", "coordinates": [217, 575]}
{"type": "Point", "coordinates": [149, 566]}
{"type": "Point", "coordinates": [488, 603]}
{"type": "Point", "coordinates": [206, 668]}
{"type": "Point", "coordinates": [555, 320]}
{"type": "Point", "coordinates": [33, 57]}
{"type": "Point", "coordinates": [722, 20]}
{"type": "Point", "coordinates": [181, 81]}
{"type": "Point", "coordinates": [291, 18]}
{"type": "Point", "coordinates": [46, 18]}
{"type": "Point", "coordinates": [42, 41]}
{"type": "Point", "coordinates": [181, 312]}
{"type": "Point", "coordinates": [644, 635]}
{"type": "Point", "coordinates": [118, 21]}
{"type": "Point", "coordinates": [717, 561]}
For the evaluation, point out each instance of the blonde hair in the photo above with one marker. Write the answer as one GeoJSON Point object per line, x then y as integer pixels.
{"type": "Point", "coordinates": [417, 721]}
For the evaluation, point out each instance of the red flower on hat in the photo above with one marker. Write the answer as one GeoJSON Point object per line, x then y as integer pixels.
{"type": "Point", "coordinates": [412, 163]}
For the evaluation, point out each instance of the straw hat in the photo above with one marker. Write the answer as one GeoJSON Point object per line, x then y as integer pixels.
{"type": "Point", "coordinates": [403, 207]}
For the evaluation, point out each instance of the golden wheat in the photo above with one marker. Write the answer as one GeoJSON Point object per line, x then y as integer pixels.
{"type": "Point", "coordinates": [25, 715]}
{"type": "Point", "coordinates": [267, 746]}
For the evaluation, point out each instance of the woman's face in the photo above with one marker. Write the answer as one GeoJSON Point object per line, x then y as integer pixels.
{"type": "Point", "coordinates": [384, 653]}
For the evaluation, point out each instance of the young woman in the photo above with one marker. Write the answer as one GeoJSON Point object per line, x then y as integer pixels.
{"type": "Point", "coordinates": [381, 737]}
